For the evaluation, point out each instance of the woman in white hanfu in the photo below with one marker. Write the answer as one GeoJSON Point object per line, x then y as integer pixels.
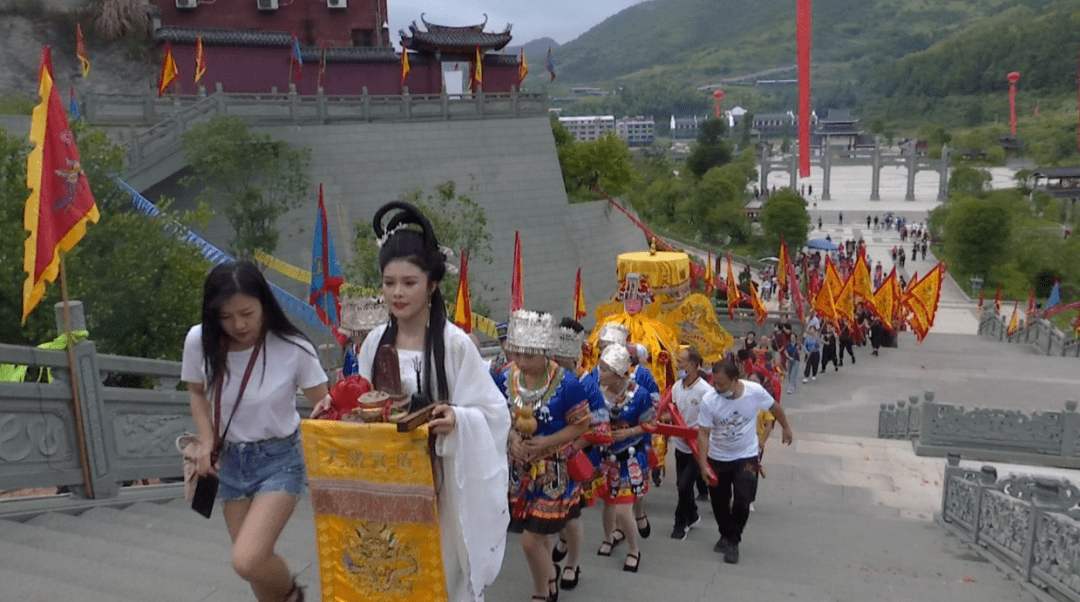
{"type": "Point", "coordinates": [438, 359]}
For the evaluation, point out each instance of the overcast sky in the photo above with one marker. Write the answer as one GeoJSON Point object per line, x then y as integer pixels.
{"type": "Point", "coordinates": [562, 20]}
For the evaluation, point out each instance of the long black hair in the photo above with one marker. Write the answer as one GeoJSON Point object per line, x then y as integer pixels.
{"type": "Point", "coordinates": [224, 281]}
{"type": "Point", "coordinates": [420, 248]}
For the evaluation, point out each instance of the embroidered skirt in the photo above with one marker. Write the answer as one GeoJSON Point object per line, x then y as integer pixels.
{"type": "Point", "coordinates": [542, 495]}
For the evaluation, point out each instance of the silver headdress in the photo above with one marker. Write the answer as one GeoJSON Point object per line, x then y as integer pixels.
{"type": "Point", "coordinates": [617, 358]}
{"type": "Point", "coordinates": [567, 343]}
{"type": "Point", "coordinates": [530, 332]}
{"type": "Point", "coordinates": [611, 332]}
{"type": "Point", "coordinates": [363, 313]}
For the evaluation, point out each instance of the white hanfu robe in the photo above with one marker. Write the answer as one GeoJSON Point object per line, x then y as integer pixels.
{"type": "Point", "coordinates": [473, 512]}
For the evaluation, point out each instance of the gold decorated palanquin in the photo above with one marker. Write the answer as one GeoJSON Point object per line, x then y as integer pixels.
{"type": "Point", "coordinates": [376, 515]}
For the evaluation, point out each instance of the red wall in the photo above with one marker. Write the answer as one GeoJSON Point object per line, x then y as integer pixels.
{"type": "Point", "coordinates": [256, 70]}
{"type": "Point", "coordinates": [332, 26]}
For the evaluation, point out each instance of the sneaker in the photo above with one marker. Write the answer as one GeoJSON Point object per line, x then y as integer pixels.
{"type": "Point", "coordinates": [752, 509]}
{"type": "Point", "coordinates": [678, 533]}
{"type": "Point", "coordinates": [789, 391]}
{"type": "Point", "coordinates": [721, 546]}
{"type": "Point", "coordinates": [731, 553]}
{"type": "Point", "coordinates": [813, 378]}
{"type": "Point", "coordinates": [704, 497]}
{"type": "Point", "coordinates": [805, 380]}
{"type": "Point", "coordinates": [693, 523]}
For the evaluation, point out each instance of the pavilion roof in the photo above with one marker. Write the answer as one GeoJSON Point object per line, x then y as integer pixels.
{"type": "Point", "coordinates": [454, 40]}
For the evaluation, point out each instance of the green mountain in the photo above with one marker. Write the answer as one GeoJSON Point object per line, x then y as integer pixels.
{"type": "Point", "coordinates": [706, 41]}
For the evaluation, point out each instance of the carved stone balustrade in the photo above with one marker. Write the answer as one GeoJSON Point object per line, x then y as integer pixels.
{"type": "Point", "coordinates": [1028, 525]}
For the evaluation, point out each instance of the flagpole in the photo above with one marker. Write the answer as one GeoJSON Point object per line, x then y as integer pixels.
{"type": "Point", "coordinates": [80, 437]}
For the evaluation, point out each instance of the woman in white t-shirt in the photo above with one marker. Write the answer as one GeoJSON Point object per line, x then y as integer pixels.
{"type": "Point", "coordinates": [261, 466]}
{"type": "Point", "coordinates": [470, 419]}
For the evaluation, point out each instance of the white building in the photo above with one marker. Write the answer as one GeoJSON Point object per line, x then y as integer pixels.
{"type": "Point", "coordinates": [588, 127]}
{"type": "Point", "coordinates": [636, 131]}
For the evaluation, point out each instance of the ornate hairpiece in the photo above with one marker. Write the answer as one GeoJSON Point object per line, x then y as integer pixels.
{"type": "Point", "coordinates": [381, 240]}
{"type": "Point", "coordinates": [617, 358]}
{"type": "Point", "coordinates": [448, 259]}
{"type": "Point", "coordinates": [567, 343]}
{"type": "Point", "coordinates": [363, 313]}
{"type": "Point", "coordinates": [612, 332]}
{"type": "Point", "coordinates": [530, 332]}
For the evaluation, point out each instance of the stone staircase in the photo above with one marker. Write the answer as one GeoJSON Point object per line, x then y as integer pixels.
{"type": "Point", "coordinates": [841, 516]}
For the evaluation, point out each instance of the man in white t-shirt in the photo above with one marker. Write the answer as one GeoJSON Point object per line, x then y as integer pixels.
{"type": "Point", "coordinates": [687, 393]}
{"type": "Point", "coordinates": [727, 441]}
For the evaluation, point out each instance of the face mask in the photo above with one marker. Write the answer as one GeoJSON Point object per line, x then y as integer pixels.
{"type": "Point", "coordinates": [728, 394]}
{"type": "Point", "coordinates": [682, 373]}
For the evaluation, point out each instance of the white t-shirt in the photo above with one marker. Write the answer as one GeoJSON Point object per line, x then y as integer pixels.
{"type": "Point", "coordinates": [688, 400]}
{"type": "Point", "coordinates": [734, 422]}
{"type": "Point", "coordinates": [268, 409]}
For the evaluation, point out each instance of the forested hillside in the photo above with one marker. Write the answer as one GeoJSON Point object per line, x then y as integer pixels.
{"type": "Point", "coordinates": [1041, 44]}
{"type": "Point", "coordinates": [704, 38]}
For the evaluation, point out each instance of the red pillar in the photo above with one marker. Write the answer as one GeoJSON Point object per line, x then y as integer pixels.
{"type": "Point", "coordinates": [1012, 78]}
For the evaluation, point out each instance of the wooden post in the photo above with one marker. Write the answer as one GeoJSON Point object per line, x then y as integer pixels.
{"type": "Point", "coordinates": [80, 436]}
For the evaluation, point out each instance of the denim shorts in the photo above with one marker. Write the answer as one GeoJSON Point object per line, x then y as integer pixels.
{"type": "Point", "coordinates": [267, 466]}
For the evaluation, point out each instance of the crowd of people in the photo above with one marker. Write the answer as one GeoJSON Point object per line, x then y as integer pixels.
{"type": "Point", "coordinates": [531, 441]}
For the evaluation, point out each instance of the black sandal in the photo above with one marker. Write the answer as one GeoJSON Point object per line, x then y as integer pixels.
{"type": "Point", "coordinates": [637, 562]}
{"type": "Point", "coordinates": [647, 529]}
{"type": "Point", "coordinates": [556, 554]}
{"type": "Point", "coordinates": [605, 552]}
{"type": "Point", "coordinates": [615, 541]}
{"type": "Point", "coordinates": [553, 596]}
{"type": "Point", "coordinates": [296, 594]}
{"type": "Point", "coordinates": [565, 583]}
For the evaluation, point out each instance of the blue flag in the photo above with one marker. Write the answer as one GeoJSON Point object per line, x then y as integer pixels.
{"type": "Point", "coordinates": [299, 58]}
{"type": "Point", "coordinates": [1055, 295]}
{"type": "Point", "coordinates": [550, 64]}
{"type": "Point", "coordinates": [325, 272]}
{"type": "Point", "coordinates": [73, 105]}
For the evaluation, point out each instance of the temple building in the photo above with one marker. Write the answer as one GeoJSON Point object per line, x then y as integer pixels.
{"type": "Point", "coordinates": [249, 46]}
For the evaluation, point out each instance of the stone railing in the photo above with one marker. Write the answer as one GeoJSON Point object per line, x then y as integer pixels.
{"type": "Point", "coordinates": [101, 108]}
{"type": "Point", "coordinates": [1026, 525]}
{"type": "Point", "coordinates": [129, 433]}
{"type": "Point", "coordinates": [1048, 438]}
{"type": "Point", "coordinates": [1041, 335]}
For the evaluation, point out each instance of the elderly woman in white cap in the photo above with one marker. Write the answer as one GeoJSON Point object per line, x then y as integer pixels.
{"type": "Point", "coordinates": [624, 468]}
{"type": "Point", "coordinates": [550, 410]}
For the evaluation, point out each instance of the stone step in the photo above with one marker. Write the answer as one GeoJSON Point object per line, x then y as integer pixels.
{"type": "Point", "coordinates": [98, 575]}
{"type": "Point", "coordinates": [119, 554]}
{"type": "Point", "coordinates": [21, 586]}
{"type": "Point", "coordinates": [138, 539]}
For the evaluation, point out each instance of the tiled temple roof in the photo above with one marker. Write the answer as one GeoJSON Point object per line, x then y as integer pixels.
{"type": "Point", "coordinates": [273, 39]}
{"type": "Point", "coordinates": [453, 39]}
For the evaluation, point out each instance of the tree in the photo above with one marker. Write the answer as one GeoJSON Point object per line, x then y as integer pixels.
{"type": "Point", "coordinates": [605, 161]}
{"type": "Point", "coordinates": [968, 180]}
{"type": "Point", "coordinates": [252, 179]}
{"type": "Point", "coordinates": [459, 223]}
{"type": "Point", "coordinates": [140, 285]}
{"type": "Point", "coordinates": [785, 217]}
{"type": "Point", "coordinates": [711, 150]}
{"type": "Point", "coordinates": [977, 235]}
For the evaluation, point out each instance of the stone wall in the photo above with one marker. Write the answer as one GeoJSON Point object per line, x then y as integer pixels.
{"type": "Point", "coordinates": [508, 166]}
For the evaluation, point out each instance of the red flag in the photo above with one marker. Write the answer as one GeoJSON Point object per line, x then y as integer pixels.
{"type": "Point", "coordinates": [200, 59]}
{"type": "Point", "coordinates": [80, 52]}
{"type": "Point", "coordinates": [782, 265]}
{"type": "Point", "coordinates": [60, 201]}
{"type": "Point", "coordinates": [997, 301]}
{"type": "Point", "coordinates": [169, 72]}
{"type": "Point", "coordinates": [732, 289]}
{"type": "Point", "coordinates": [803, 59]}
{"type": "Point", "coordinates": [579, 298]}
{"type": "Point", "coordinates": [517, 289]}
{"type": "Point", "coordinates": [1031, 305]}
{"type": "Point", "coordinates": [980, 310]}
{"type": "Point", "coordinates": [709, 276]}
{"type": "Point", "coordinates": [463, 306]}
{"type": "Point", "coordinates": [322, 65]}
{"type": "Point", "coordinates": [759, 308]}
{"type": "Point", "coordinates": [796, 293]}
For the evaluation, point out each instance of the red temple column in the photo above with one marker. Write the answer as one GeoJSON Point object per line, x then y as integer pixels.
{"type": "Point", "coordinates": [1012, 79]}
